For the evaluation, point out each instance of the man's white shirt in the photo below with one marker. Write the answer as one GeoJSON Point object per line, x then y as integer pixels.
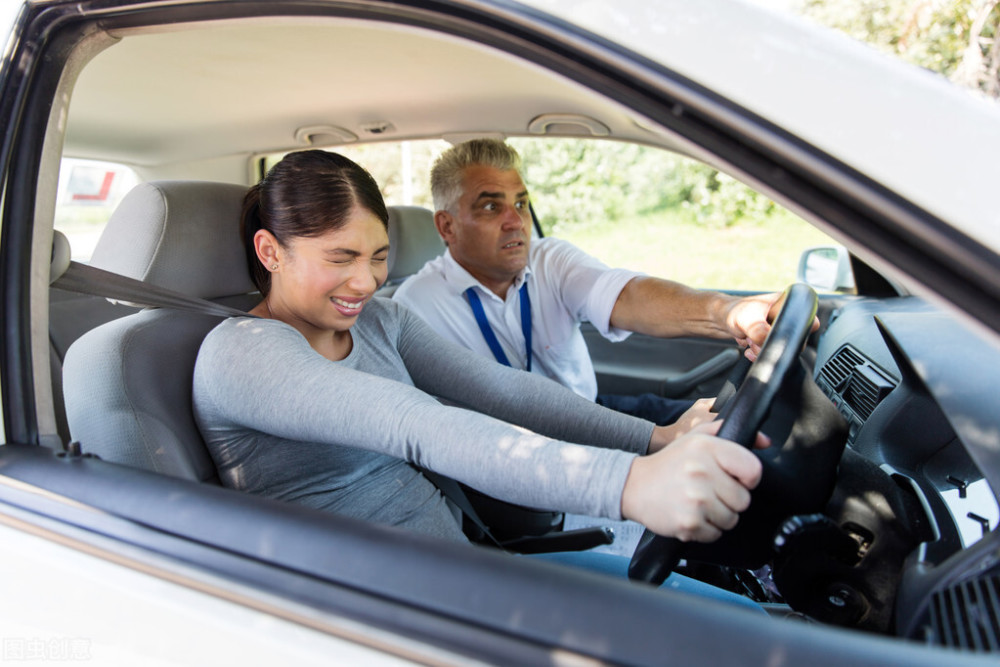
{"type": "Point", "coordinates": [566, 286]}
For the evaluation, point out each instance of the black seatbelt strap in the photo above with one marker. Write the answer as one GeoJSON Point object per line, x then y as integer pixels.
{"type": "Point", "coordinates": [84, 279]}
{"type": "Point", "coordinates": [453, 492]}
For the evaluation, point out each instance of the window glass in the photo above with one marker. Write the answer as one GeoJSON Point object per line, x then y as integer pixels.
{"type": "Point", "coordinates": [664, 214]}
{"type": "Point", "coordinates": [89, 191]}
{"type": "Point", "coordinates": [631, 206]}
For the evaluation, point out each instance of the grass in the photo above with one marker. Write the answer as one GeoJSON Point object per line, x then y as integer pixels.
{"type": "Point", "coordinates": [749, 255]}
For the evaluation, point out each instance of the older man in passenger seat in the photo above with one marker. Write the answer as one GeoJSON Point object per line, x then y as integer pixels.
{"type": "Point", "coordinates": [498, 293]}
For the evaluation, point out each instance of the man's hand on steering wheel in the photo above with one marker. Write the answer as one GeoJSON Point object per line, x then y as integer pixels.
{"type": "Point", "coordinates": [749, 320]}
{"type": "Point", "coordinates": [699, 413]}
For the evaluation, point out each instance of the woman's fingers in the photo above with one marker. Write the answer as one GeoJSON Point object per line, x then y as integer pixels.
{"type": "Point", "coordinates": [693, 489]}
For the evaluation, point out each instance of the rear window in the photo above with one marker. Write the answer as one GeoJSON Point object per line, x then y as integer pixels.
{"type": "Point", "coordinates": [89, 191]}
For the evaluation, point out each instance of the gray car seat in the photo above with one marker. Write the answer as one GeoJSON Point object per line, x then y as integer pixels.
{"type": "Point", "coordinates": [127, 383]}
{"type": "Point", "coordinates": [70, 316]}
{"type": "Point", "coordinates": [413, 240]}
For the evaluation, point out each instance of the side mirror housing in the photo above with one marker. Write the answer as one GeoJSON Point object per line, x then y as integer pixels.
{"type": "Point", "coordinates": [826, 268]}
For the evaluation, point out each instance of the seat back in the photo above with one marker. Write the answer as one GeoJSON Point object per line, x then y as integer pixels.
{"type": "Point", "coordinates": [70, 316]}
{"type": "Point", "coordinates": [413, 241]}
{"type": "Point", "coordinates": [127, 383]}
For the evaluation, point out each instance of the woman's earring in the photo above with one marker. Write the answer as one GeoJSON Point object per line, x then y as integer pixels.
{"type": "Point", "coordinates": [274, 267]}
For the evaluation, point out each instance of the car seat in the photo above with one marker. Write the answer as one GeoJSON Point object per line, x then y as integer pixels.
{"type": "Point", "coordinates": [127, 383]}
{"type": "Point", "coordinates": [413, 241]}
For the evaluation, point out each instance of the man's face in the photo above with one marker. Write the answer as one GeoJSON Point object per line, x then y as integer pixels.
{"type": "Point", "coordinates": [490, 234]}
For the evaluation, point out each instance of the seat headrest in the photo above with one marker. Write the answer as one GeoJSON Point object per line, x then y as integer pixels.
{"type": "Point", "coordinates": [181, 235]}
{"type": "Point", "coordinates": [61, 256]}
{"type": "Point", "coordinates": [413, 240]}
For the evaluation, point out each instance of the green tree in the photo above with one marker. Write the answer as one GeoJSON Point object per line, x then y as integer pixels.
{"type": "Point", "coordinates": [579, 184]}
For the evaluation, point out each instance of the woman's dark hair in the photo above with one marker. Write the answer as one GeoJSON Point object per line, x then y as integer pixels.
{"type": "Point", "coordinates": [307, 194]}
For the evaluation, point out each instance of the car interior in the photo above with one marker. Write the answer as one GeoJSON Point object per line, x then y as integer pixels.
{"type": "Point", "coordinates": [876, 512]}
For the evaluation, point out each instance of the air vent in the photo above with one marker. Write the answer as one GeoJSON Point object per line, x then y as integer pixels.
{"type": "Point", "coordinates": [841, 366]}
{"type": "Point", "coordinates": [865, 389]}
{"type": "Point", "coordinates": [967, 615]}
{"type": "Point", "coordinates": [856, 380]}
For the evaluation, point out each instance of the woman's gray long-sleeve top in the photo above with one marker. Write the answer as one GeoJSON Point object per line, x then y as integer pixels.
{"type": "Point", "coordinates": [282, 421]}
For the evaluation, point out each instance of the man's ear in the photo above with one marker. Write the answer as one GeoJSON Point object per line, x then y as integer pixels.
{"type": "Point", "coordinates": [445, 224]}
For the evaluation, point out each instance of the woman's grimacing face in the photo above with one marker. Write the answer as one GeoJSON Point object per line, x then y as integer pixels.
{"type": "Point", "coordinates": [323, 282]}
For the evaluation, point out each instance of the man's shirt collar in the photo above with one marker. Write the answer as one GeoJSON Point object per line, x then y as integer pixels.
{"type": "Point", "coordinates": [460, 280]}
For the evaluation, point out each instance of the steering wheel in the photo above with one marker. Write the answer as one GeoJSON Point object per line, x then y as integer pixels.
{"type": "Point", "coordinates": [656, 556]}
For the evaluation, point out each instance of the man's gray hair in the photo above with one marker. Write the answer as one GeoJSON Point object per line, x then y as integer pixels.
{"type": "Point", "coordinates": [446, 175]}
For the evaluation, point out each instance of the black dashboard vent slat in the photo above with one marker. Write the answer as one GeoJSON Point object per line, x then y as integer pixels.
{"type": "Point", "coordinates": [856, 380]}
{"type": "Point", "coordinates": [967, 615]}
{"type": "Point", "coordinates": [861, 395]}
{"type": "Point", "coordinates": [841, 366]}
{"type": "Point", "coordinates": [864, 391]}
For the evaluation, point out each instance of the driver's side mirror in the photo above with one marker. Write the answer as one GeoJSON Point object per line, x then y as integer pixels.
{"type": "Point", "coordinates": [826, 268]}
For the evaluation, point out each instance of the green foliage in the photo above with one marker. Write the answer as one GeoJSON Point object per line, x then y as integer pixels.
{"type": "Point", "coordinates": [762, 254]}
{"type": "Point", "coordinates": [581, 184]}
{"type": "Point", "coordinates": [402, 169]}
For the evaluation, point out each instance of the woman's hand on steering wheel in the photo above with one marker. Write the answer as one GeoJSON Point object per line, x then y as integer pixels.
{"type": "Point", "coordinates": [699, 413]}
{"type": "Point", "coordinates": [693, 489]}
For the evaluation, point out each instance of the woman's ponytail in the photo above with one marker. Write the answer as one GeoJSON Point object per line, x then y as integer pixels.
{"type": "Point", "coordinates": [250, 224]}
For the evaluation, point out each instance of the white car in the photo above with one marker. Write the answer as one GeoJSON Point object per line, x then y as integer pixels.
{"type": "Point", "coordinates": [117, 544]}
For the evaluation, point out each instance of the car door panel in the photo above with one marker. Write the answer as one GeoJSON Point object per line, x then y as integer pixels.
{"type": "Point", "coordinates": [686, 367]}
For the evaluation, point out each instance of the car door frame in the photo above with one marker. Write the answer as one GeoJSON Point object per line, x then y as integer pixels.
{"type": "Point", "coordinates": [165, 526]}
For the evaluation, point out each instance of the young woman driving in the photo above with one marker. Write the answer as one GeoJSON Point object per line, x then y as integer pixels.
{"type": "Point", "coordinates": [327, 398]}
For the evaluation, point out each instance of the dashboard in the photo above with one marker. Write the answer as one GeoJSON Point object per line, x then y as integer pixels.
{"type": "Point", "coordinates": [916, 388]}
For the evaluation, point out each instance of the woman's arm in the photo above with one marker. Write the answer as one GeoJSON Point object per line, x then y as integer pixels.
{"type": "Point", "coordinates": [262, 375]}
{"type": "Point", "coordinates": [457, 375]}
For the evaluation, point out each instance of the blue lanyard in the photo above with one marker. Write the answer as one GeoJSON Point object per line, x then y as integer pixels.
{"type": "Point", "coordinates": [484, 324]}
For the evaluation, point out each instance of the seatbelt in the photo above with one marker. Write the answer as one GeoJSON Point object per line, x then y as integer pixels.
{"type": "Point", "coordinates": [484, 324]}
{"type": "Point", "coordinates": [453, 492]}
{"type": "Point", "coordinates": [89, 280]}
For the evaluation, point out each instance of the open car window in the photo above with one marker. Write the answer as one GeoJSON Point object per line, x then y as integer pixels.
{"type": "Point", "coordinates": [636, 207]}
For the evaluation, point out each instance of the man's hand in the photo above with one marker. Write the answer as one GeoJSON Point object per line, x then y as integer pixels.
{"type": "Point", "coordinates": [694, 489]}
{"type": "Point", "coordinates": [749, 320]}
